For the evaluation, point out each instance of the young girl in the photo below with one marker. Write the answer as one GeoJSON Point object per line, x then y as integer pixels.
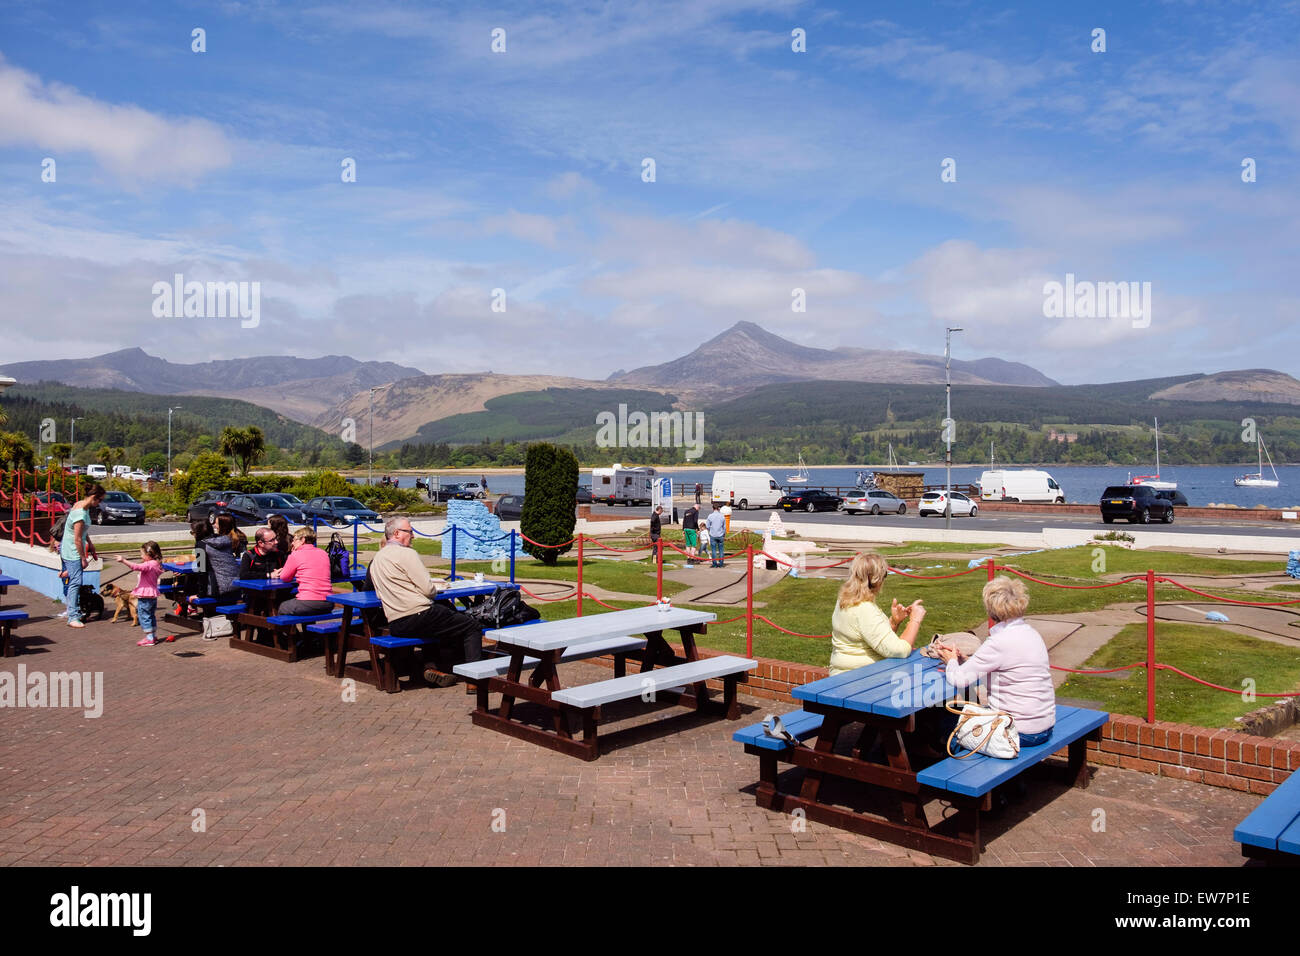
{"type": "Point", "coordinates": [146, 591]}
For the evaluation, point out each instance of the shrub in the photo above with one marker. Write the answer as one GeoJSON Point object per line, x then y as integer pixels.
{"type": "Point", "coordinates": [549, 515]}
{"type": "Point", "coordinates": [208, 471]}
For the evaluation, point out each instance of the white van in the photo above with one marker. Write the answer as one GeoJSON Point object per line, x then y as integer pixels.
{"type": "Point", "coordinates": [745, 489]}
{"type": "Point", "coordinates": [1024, 485]}
{"type": "Point", "coordinates": [121, 471]}
{"type": "Point", "coordinates": [96, 471]}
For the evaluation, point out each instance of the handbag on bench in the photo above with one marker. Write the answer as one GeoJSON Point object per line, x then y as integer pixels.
{"type": "Point", "coordinates": [983, 730]}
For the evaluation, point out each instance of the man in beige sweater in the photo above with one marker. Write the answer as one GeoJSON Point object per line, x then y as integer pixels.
{"type": "Point", "coordinates": [409, 596]}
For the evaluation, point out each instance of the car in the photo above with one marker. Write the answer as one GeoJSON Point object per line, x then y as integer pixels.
{"type": "Point", "coordinates": [449, 492]}
{"type": "Point", "coordinates": [1173, 495]}
{"type": "Point", "coordinates": [210, 504]}
{"type": "Point", "coordinates": [474, 489]}
{"type": "Point", "coordinates": [510, 507]}
{"type": "Point", "coordinates": [874, 501]}
{"type": "Point", "coordinates": [338, 511]}
{"type": "Point", "coordinates": [1136, 503]}
{"type": "Point", "coordinates": [936, 503]}
{"type": "Point", "coordinates": [138, 475]}
{"type": "Point", "coordinates": [811, 499]}
{"type": "Point", "coordinates": [51, 502]}
{"type": "Point", "coordinates": [118, 506]}
{"type": "Point", "coordinates": [584, 495]}
{"type": "Point", "coordinates": [255, 509]}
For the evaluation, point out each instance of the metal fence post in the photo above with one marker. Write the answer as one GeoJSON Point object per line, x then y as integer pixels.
{"type": "Point", "coordinates": [579, 574]}
{"type": "Point", "coordinates": [749, 602]}
{"type": "Point", "coordinates": [1151, 646]}
{"type": "Point", "coordinates": [659, 572]}
{"type": "Point", "coordinates": [512, 558]}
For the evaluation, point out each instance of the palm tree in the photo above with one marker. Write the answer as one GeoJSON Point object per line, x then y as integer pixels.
{"type": "Point", "coordinates": [61, 451]}
{"type": "Point", "coordinates": [246, 445]}
{"type": "Point", "coordinates": [16, 451]}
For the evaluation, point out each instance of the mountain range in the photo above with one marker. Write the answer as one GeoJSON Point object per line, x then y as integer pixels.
{"type": "Point", "coordinates": [327, 392]}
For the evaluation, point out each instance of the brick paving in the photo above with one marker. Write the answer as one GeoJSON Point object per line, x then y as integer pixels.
{"type": "Point", "coordinates": [280, 769]}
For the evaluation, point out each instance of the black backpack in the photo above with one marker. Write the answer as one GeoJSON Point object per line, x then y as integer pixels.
{"type": "Point", "coordinates": [338, 555]}
{"type": "Point", "coordinates": [504, 608]}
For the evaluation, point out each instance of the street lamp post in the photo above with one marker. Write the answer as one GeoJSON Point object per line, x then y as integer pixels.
{"type": "Point", "coordinates": [370, 475]}
{"type": "Point", "coordinates": [170, 409]}
{"type": "Point", "coordinates": [948, 425]}
{"type": "Point", "coordinates": [72, 440]}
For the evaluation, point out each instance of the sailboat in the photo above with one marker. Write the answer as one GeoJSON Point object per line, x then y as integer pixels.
{"type": "Point", "coordinates": [801, 476]}
{"type": "Point", "coordinates": [1153, 481]}
{"type": "Point", "coordinates": [1257, 480]}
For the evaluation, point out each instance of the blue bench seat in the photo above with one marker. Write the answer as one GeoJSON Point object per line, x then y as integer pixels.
{"type": "Point", "coordinates": [230, 609]}
{"type": "Point", "coordinates": [7, 620]}
{"type": "Point", "coordinates": [799, 723]}
{"type": "Point", "coordinates": [1272, 829]}
{"type": "Point", "coordinates": [290, 620]}
{"type": "Point", "coordinates": [978, 775]}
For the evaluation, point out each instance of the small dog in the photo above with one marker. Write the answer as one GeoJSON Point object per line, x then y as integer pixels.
{"type": "Point", "coordinates": [126, 601]}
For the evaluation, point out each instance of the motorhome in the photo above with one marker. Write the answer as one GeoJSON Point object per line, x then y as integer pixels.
{"type": "Point", "coordinates": [745, 489]}
{"type": "Point", "coordinates": [1026, 485]}
{"type": "Point", "coordinates": [619, 485]}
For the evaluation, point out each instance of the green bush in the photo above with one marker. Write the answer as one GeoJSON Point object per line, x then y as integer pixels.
{"type": "Point", "coordinates": [208, 471]}
{"type": "Point", "coordinates": [549, 515]}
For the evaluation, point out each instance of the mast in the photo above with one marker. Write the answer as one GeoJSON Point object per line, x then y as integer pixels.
{"type": "Point", "coordinates": [1157, 421]}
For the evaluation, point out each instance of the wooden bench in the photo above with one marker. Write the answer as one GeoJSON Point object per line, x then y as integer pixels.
{"type": "Point", "coordinates": [286, 631]}
{"type": "Point", "coordinates": [7, 621]}
{"type": "Point", "coordinates": [1272, 830]}
{"type": "Point", "coordinates": [667, 680]}
{"type": "Point", "coordinates": [620, 647]}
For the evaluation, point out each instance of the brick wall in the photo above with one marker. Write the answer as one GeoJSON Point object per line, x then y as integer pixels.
{"type": "Point", "coordinates": [1219, 758]}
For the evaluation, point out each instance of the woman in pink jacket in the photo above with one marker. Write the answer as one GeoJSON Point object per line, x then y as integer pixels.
{"type": "Point", "coordinates": [310, 567]}
{"type": "Point", "coordinates": [1013, 661]}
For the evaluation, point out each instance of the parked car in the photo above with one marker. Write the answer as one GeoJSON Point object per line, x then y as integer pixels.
{"type": "Point", "coordinates": [584, 495]}
{"type": "Point", "coordinates": [255, 509]}
{"type": "Point", "coordinates": [338, 511]}
{"type": "Point", "coordinates": [474, 489]}
{"type": "Point", "coordinates": [811, 499]}
{"type": "Point", "coordinates": [51, 502]}
{"type": "Point", "coordinates": [874, 501]}
{"type": "Point", "coordinates": [1136, 503]}
{"type": "Point", "coordinates": [118, 506]}
{"type": "Point", "coordinates": [209, 505]}
{"type": "Point", "coordinates": [936, 503]}
{"type": "Point", "coordinates": [138, 476]}
{"type": "Point", "coordinates": [448, 492]}
{"type": "Point", "coordinates": [510, 507]}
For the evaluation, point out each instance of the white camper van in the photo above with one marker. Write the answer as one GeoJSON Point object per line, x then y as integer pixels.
{"type": "Point", "coordinates": [619, 485]}
{"type": "Point", "coordinates": [1024, 485]}
{"type": "Point", "coordinates": [744, 489]}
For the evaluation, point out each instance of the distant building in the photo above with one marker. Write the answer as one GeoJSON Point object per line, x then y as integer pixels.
{"type": "Point", "coordinates": [1067, 437]}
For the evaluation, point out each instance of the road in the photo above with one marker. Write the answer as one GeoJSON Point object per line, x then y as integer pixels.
{"type": "Point", "coordinates": [993, 523]}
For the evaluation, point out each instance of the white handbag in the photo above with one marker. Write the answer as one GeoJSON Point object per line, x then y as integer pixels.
{"type": "Point", "coordinates": [216, 627]}
{"type": "Point", "coordinates": [983, 730]}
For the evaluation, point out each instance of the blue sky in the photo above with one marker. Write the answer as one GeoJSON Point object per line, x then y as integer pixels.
{"type": "Point", "coordinates": [775, 170]}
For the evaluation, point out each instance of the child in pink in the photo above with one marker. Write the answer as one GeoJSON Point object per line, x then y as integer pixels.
{"type": "Point", "coordinates": [146, 591]}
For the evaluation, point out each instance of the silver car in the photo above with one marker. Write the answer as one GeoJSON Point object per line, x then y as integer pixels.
{"type": "Point", "coordinates": [874, 502]}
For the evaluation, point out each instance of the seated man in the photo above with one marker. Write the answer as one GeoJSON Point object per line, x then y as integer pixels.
{"type": "Point", "coordinates": [263, 557]}
{"type": "Point", "coordinates": [409, 596]}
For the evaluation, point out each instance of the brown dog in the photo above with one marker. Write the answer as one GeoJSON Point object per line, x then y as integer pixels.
{"type": "Point", "coordinates": [125, 602]}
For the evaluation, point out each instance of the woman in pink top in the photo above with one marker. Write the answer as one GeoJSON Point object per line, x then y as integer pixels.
{"type": "Point", "coordinates": [146, 590]}
{"type": "Point", "coordinates": [310, 567]}
{"type": "Point", "coordinates": [1014, 658]}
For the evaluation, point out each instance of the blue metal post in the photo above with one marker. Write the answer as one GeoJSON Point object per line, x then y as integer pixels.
{"type": "Point", "coordinates": [453, 552]}
{"type": "Point", "coordinates": [512, 556]}
{"type": "Point", "coordinates": [354, 543]}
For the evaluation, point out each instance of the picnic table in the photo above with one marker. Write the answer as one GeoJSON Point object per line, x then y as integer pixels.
{"type": "Point", "coordinates": [258, 615]}
{"type": "Point", "coordinates": [8, 619]}
{"type": "Point", "coordinates": [556, 642]}
{"type": "Point", "coordinates": [381, 670]}
{"type": "Point", "coordinates": [885, 697]}
{"type": "Point", "coordinates": [186, 584]}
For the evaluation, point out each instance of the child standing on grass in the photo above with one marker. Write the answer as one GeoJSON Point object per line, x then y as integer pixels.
{"type": "Point", "coordinates": [146, 591]}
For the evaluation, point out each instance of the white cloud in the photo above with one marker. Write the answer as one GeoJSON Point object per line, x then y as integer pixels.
{"type": "Point", "coordinates": [133, 144]}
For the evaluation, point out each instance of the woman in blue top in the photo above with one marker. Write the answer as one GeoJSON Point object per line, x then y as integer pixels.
{"type": "Point", "coordinates": [76, 551]}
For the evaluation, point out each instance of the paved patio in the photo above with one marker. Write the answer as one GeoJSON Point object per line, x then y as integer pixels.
{"type": "Point", "coordinates": [285, 771]}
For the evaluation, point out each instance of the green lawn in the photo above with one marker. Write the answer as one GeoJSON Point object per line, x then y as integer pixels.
{"type": "Point", "coordinates": [1211, 653]}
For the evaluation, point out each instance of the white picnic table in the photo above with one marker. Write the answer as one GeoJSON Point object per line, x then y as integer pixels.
{"type": "Point", "coordinates": [556, 642]}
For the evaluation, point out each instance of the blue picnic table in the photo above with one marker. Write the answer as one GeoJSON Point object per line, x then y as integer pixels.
{"type": "Point", "coordinates": [885, 698]}
{"type": "Point", "coordinates": [381, 647]}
